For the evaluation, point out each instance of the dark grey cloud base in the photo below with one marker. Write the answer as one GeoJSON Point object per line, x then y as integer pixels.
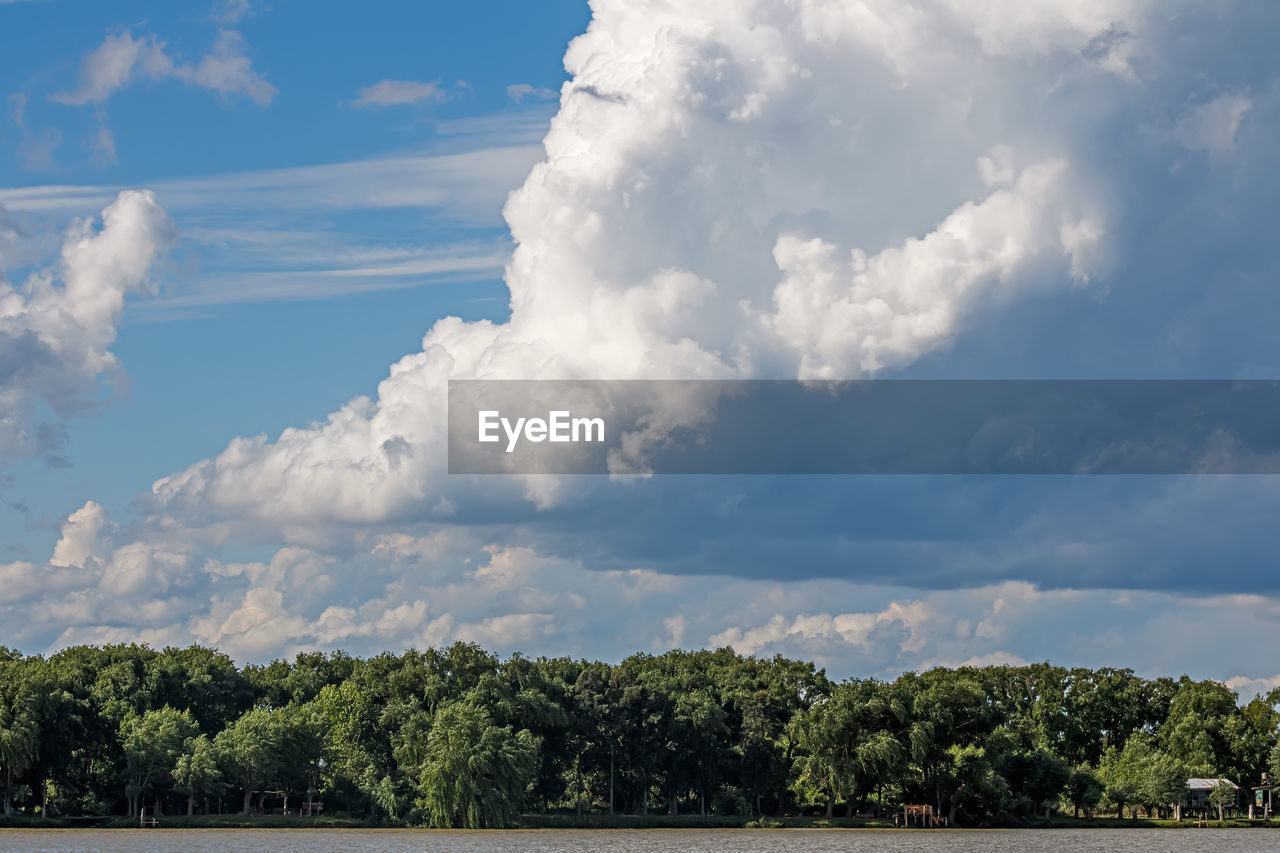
{"type": "Point", "coordinates": [880, 427]}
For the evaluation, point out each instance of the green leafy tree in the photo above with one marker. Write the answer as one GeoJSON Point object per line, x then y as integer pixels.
{"type": "Point", "coordinates": [201, 680]}
{"type": "Point", "coordinates": [19, 726]}
{"type": "Point", "coordinates": [60, 714]}
{"type": "Point", "coordinates": [473, 774]}
{"type": "Point", "coordinates": [849, 741]}
{"type": "Point", "coordinates": [535, 695]}
{"type": "Point", "coordinates": [1164, 781]}
{"type": "Point", "coordinates": [249, 750]}
{"type": "Point", "coordinates": [1104, 708]}
{"type": "Point", "coordinates": [978, 791]}
{"type": "Point", "coordinates": [1084, 789]}
{"type": "Point", "coordinates": [820, 767]}
{"type": "Point", "coordinates": [280, 684]}
{"type": "Point", "coordinates": [301, 744]}
{"type": "Point", "coordinates": [1037, 778]}
{"type": "Point", "coordinates": [587, 742]}
{"type": "Point", "coordinates": [1143, 775]}
{"type": "Point", "coordinates": [1196, 731]}
{"type": "Point", "coordinates": [1120, 772]}
{"type": "Point", "coordinates": [151, 743]}
{"type": "Point", "coordinates": [635, 723]}
{"type": "Point", "coordinates": [449, 735]}
{"type": "Point", "coordinates": [196, 771]}
{"type": "Point", "coordinates": [1223, 794]}
{"type": "Point", "coordinates": [352, 737]}
{"type": "Point", "coordinates": [1251, 734]}
{"type": "Point", "coordinates": [948, 708]}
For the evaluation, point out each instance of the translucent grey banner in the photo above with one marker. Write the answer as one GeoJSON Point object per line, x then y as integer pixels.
{"type": "Point", "coordinates": [864, 427]}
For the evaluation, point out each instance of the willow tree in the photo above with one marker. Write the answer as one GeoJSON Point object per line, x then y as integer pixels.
{"type": "Point", "coordinates": [196, 771]}
{"type": "Point", "coordinates": [152, 743]}
{"type": "Point", "coordinates": [475, 773]}
{"type": "Point", "coordinates": [821, 765]}
{"type": "Point", "coordinates": [249, 750]}
{"type": "Point", "coordinates": [19, 727]}
{"type": "Point", "coordinates": [848, 743]}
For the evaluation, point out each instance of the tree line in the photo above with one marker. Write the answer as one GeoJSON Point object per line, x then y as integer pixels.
{"type": "Point", "coordinates": [457, 737]}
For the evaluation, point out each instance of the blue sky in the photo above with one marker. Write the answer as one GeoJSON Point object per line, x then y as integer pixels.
{"type": "Point", "coordinates": [245, 245]}
{"type": "Point", "coordinates": [198, 376]}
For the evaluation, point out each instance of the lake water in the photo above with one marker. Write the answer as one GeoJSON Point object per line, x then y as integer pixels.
{"type": "Point", "coordinates": [646, 841]}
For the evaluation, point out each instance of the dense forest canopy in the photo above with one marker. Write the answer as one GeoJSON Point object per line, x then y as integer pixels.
{"type": "Point", "coordinates": [458, 737]}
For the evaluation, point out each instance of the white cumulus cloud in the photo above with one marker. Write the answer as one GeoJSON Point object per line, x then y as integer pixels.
{"type": "Point", "coordinates": [57, 326]}
{"type": "Point", "coordinates": [705, 210]}
{"type": "Point", "coordinates": [729, 189]}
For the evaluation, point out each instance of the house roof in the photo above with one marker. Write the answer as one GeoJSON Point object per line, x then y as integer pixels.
{"type": "Point", "coordinates": [1197, 784]}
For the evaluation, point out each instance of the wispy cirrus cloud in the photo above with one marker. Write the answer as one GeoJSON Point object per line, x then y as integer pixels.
{"type": "Point", "coordinates": [277, 234]}
{"type": "Point", "coordinates": [473, 184]}
{"type": "Point", "coordinates": [274, 281]}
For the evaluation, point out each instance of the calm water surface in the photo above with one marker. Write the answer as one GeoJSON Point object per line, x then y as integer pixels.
{"type": "Point", "coordinates": [646, 841]}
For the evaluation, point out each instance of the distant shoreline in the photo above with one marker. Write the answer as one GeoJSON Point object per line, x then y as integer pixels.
{"type": "Point", "coordinates": [604, 822]}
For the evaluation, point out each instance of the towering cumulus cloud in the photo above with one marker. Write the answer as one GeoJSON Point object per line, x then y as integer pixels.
{"type": "Point", "coordinates": [796, 188]}
{"type": "Point", "coordinates": [735, 189]}
{"type": "Point", "coordinates": [55, 329]}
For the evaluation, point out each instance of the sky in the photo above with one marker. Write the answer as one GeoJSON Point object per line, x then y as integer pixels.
{"type": "Point", "coordinates": [246, 245]}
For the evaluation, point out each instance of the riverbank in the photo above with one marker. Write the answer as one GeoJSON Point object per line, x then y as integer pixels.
{"type": "Point", "coordinates": [597, 821]}
{"type": "Point", "coordinates": [590, 821]}
{"type": "Point", "coordinates": [195, 822]}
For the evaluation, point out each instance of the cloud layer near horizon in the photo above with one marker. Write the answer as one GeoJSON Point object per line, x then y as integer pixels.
{"type": "Point", "coordinates": [804, 189]}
